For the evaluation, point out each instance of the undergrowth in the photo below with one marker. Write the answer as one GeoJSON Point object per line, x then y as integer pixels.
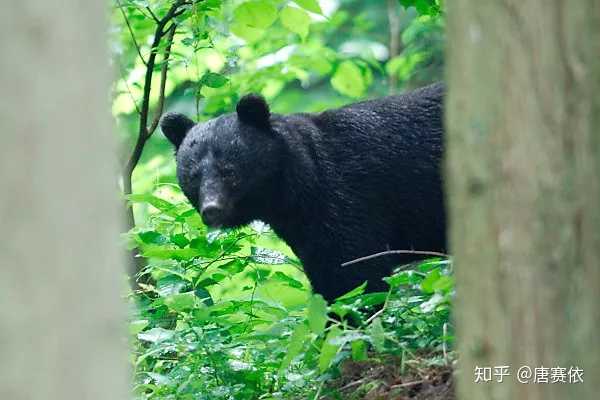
{"type": "Point", "coordinates": [230, 315]}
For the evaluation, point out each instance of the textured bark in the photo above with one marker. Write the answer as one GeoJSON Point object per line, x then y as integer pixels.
{"type": "Point", "coordinates": [61, 324]}
{"type": "Point", "coordinates": [523, 165]}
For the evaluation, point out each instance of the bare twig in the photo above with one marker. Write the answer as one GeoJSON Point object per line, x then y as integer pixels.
{"type": "Point", "coordinates": [377, 314]}
{"type": "Point", "coordinates": [395, 252]}
{"type": "Point", "coordinates": [152, 15]}
{"type": "Point", "coordinates": [408, 384]}
{"type": "Point", "coordinates": [127, 86]}
{"type": "Point", "coordinates": [353, 384]}
{"type": "Point", "coordinates": [135, 43]}
{"type": "Point", "coordinates": [444, 349]}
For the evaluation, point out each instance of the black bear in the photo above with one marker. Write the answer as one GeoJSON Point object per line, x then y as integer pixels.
{"type": "Point", "coordinates": [336, 185]}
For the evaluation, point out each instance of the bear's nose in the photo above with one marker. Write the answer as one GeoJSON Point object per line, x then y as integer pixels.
{"type": "Point", "coordinates": [211, 213]}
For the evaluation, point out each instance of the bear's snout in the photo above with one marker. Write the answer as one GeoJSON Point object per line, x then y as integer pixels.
{"type": "Point", "coordinates": [212, 213]}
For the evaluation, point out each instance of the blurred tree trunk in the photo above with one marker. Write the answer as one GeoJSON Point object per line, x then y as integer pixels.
{"type": "Point", "coordinates": [61, 319]}
{"type": "Point", "coordinates": [523, 117]}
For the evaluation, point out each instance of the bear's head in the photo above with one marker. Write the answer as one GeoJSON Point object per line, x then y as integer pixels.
{"type": "Point", "coordinates": [227, 167]}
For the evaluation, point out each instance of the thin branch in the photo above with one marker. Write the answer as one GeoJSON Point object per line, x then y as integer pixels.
{"type": "Point", "coordinates": [152, 15]}
{"type": "Point", "coordinates": [127, 86]}
{"type": "Point", "coordinates": [143, 131]}
{"type": "Point", "coordinates": [143, 122]}
{"type": "Point", "coordinates": [135, 43]}
{"type": "Point", "coordinates": [353, 384]}
{"type": "Point", "coordinates": [392, 252]}
{"type": "Point", "coordinates": [163, 82]}
{"type": "Point", "coordinates": [376, 315]}
{"type": "Point", "coordinates": [408, 384]}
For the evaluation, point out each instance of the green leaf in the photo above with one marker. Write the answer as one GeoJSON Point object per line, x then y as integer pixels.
{"type": "Point", "coordinates": [213, 80]}
{"type": "Point", "coordinates": [181, 301]}
{"type": "Point", "coordinates": [208, 5]}
{"type": "Point", "coordinates": [156, 335]}
{"type": "Point", "coordinates": [288, 280]}
{"type": "Point", "coordinates": [165, 253]}
{"type": "Point", "coordinates": [180, 240]}
{"type": "Point", "coordinates": [404, 66]}
{"type": "Point", "coordinates": [354, 292]}
{"type": "Point", "coordinates": [377, 335]}
{"type": "Point", "coordinates": [329, 349]}
{"type": "Point", "coordinates": [430, 280]}
{"type": "Point", "coordinates": [372, 299]}
{"type": "Point", "coordinates": [297, 340]}
{"type": "Point", "coordinates": [296, 20]}
{"type": "Point", "coordinates": [310, 5]}
{"type": "Point", "coordinates": [443, 284]}
{"type": "Point", "coordinates": [136, 327]}
{"type": "Point", "coordinates": [246, 32]}
{"type": "Point", "coordinates": [359, 350]}
{"type": "Point", "coordinates": [258, 14]}
{"type": "Point", "coordinates": [317, 314]}
{"type": "Point", "coordinates": [170, 285]}
{"type": "Point", "coordinates": [204, 296]}
{"type": "Point", "coordinates": [152, 237]}
{"type": "Point", "coordinates": [267, 256]}
{"type": "Point", "coordinates": [349, 80]}
{"type": "Point", "coordinates": [423, 7]}
{"type": "Point", "coordinates": [156, 202]}
{"type": "Point", "coordinates": [234, 266]}
{"type": "Point", "coordinates": [399, 279]}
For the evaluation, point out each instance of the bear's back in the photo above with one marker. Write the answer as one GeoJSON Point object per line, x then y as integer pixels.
{"type": "Point", "coordinates": [379, 187]}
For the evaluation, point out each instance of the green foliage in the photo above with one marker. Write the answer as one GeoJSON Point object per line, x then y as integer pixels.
{"type": "Point", "coordinates": [296, 20]}
{"type": "Point", "coordinates": [425, 7]}
{"type": "Point", "coordinates": [208, 329]}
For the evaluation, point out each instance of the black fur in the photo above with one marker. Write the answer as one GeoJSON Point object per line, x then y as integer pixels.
{"type": "Point", "coordinates": [252, 109]}
{"type": "Point", "coordinates": [175, 126]}
{"type": "Point", "coordinates": [335, 186]}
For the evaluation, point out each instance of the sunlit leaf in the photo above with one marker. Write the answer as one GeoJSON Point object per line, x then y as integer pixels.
{"type": "Point", "coordinates": [317, 314]}
{"type": "Point", "coordinates": [310, 5]}
{"type": "Point", "coordinates": [156, 335]}
{"type": "Point", "coordinates": [427, 285]}
{"type": "Point", "coordinates": [258, 14]}
{"type": "Point", "coordinates": [359, 350]}
{"type": "Point", "coordinates": [181, 301]}
{"type": "Point", "coordinates": [296, 343]}
{"type": "Point", "coordinates": [137, 326]}
{"type": "Point", "coordinates": [329, 349]}
{"type": "Point", "coordinates": [267, 256]}
{"type": "Point", "coordinates": [246, 32]}
{"type": "Point", "coordinates": [349, 80]}
{"type": "Point", "coordinates": [156, 202]}
{"type": "Point", "coordinates": [213, 80]}
{"type": "Point", "coordinates": [288, 280]}
{"type": "Point", "coordinates": [377, 335]}
{"type": "Point", "coordinates": [296, 20]}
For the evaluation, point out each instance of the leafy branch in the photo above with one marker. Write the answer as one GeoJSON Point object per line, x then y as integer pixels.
{"type": "Point", "coordinates": [164, 31]}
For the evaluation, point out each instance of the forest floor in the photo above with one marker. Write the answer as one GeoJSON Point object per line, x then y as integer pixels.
{"type": "Point", "coordinates": [389, 379]}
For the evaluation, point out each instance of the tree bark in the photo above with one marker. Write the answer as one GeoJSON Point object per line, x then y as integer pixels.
{"type": "Point", "coordinates": [523, 167]}
{"type": "Point", "coordinates": [62, 318]}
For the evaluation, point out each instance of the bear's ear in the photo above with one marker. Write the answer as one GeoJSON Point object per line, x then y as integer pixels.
{"type": "Point", "coordinates": [253, 109]}
{"type": "Point", "coordinates": [175, 126]}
